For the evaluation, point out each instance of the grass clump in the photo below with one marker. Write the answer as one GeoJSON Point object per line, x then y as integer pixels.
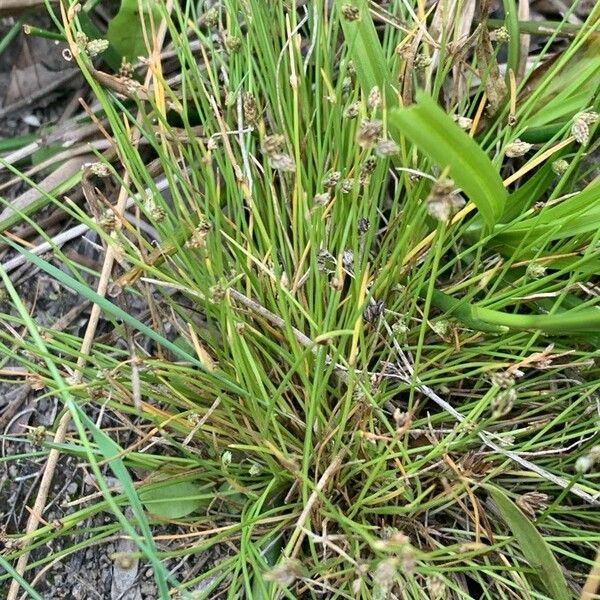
{"type": "Point", "coordinates": [366, 363]}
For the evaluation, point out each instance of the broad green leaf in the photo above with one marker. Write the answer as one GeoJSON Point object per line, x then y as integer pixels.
{"type": "Point", "coordinates": [365, 49]}
{"type": "Point", "coordinates": [271, 554]}
{"type": "Point", "coordinates": [578, 224]}
{"type": "Point", "coordinates": [112, 453]}
{"type": "Point", "coordinates": [435, 134]}
{"type": "Point", "coordinates": [110, 56]}
{"type": "Point", "coordinates": [173, 500]}
{"type": "Point", "coordinates": [534, 547]}
{"type": "Point", "coordinates": [543, 134]}
{"type": "Point", "coordinates": [561, 109]}
{"type": "Point", "coordinates": [126, 30]}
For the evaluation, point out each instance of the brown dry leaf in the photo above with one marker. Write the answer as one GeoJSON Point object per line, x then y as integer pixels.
{"type": "Point", "coordinates": [26, 80]}
{"type": "Point", "coordinates": [495, 86]}
{"type": "Point", "coordinates": [37, 63]}
{"type": "Point", "coordinates": [9, 8]}
{"type": "Point", "coordinates": [539, 360]}
{"type": "Point", "coordinates": [462, 31]}
{"type": "Point", "coordinates": [524, 14]}
{"type": "Point", "coordinates": [53, 180]}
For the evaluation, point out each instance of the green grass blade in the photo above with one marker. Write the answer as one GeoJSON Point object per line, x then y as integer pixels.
{"type": "Point", "coordinates": [434, 132]}
{"type": "Point", "coordinates": [109, 448]}
{"type": "Point", "coordinates": [6, 566]}
{"type": "Point", "coordinates": [110, 56]}
{"type": "Point", "coordinates": [485, 319]}
{"type": "Point", "coordinates": [571, 85]}
{"type": "Point", "coordinates": [574, 216]}
{"type": "Point", "coordinates": [512, 25]}
{"type": "Point", "coordinates": [126, 29]}
{"type": "Point", "coordinates": [463, 312]}
{"type": "Point", "coordinates": [533, 545]}
{"type": "Point", "coordinates": [112, 453]}
{"type": "Point", "coordinates": [119, 313]}
{"type": "Point", "coordinates": [566, 323]}
{"type": "Point", "coordinates": [365, 49]}
{"type": "Point", "coordinates": [45, 198]}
